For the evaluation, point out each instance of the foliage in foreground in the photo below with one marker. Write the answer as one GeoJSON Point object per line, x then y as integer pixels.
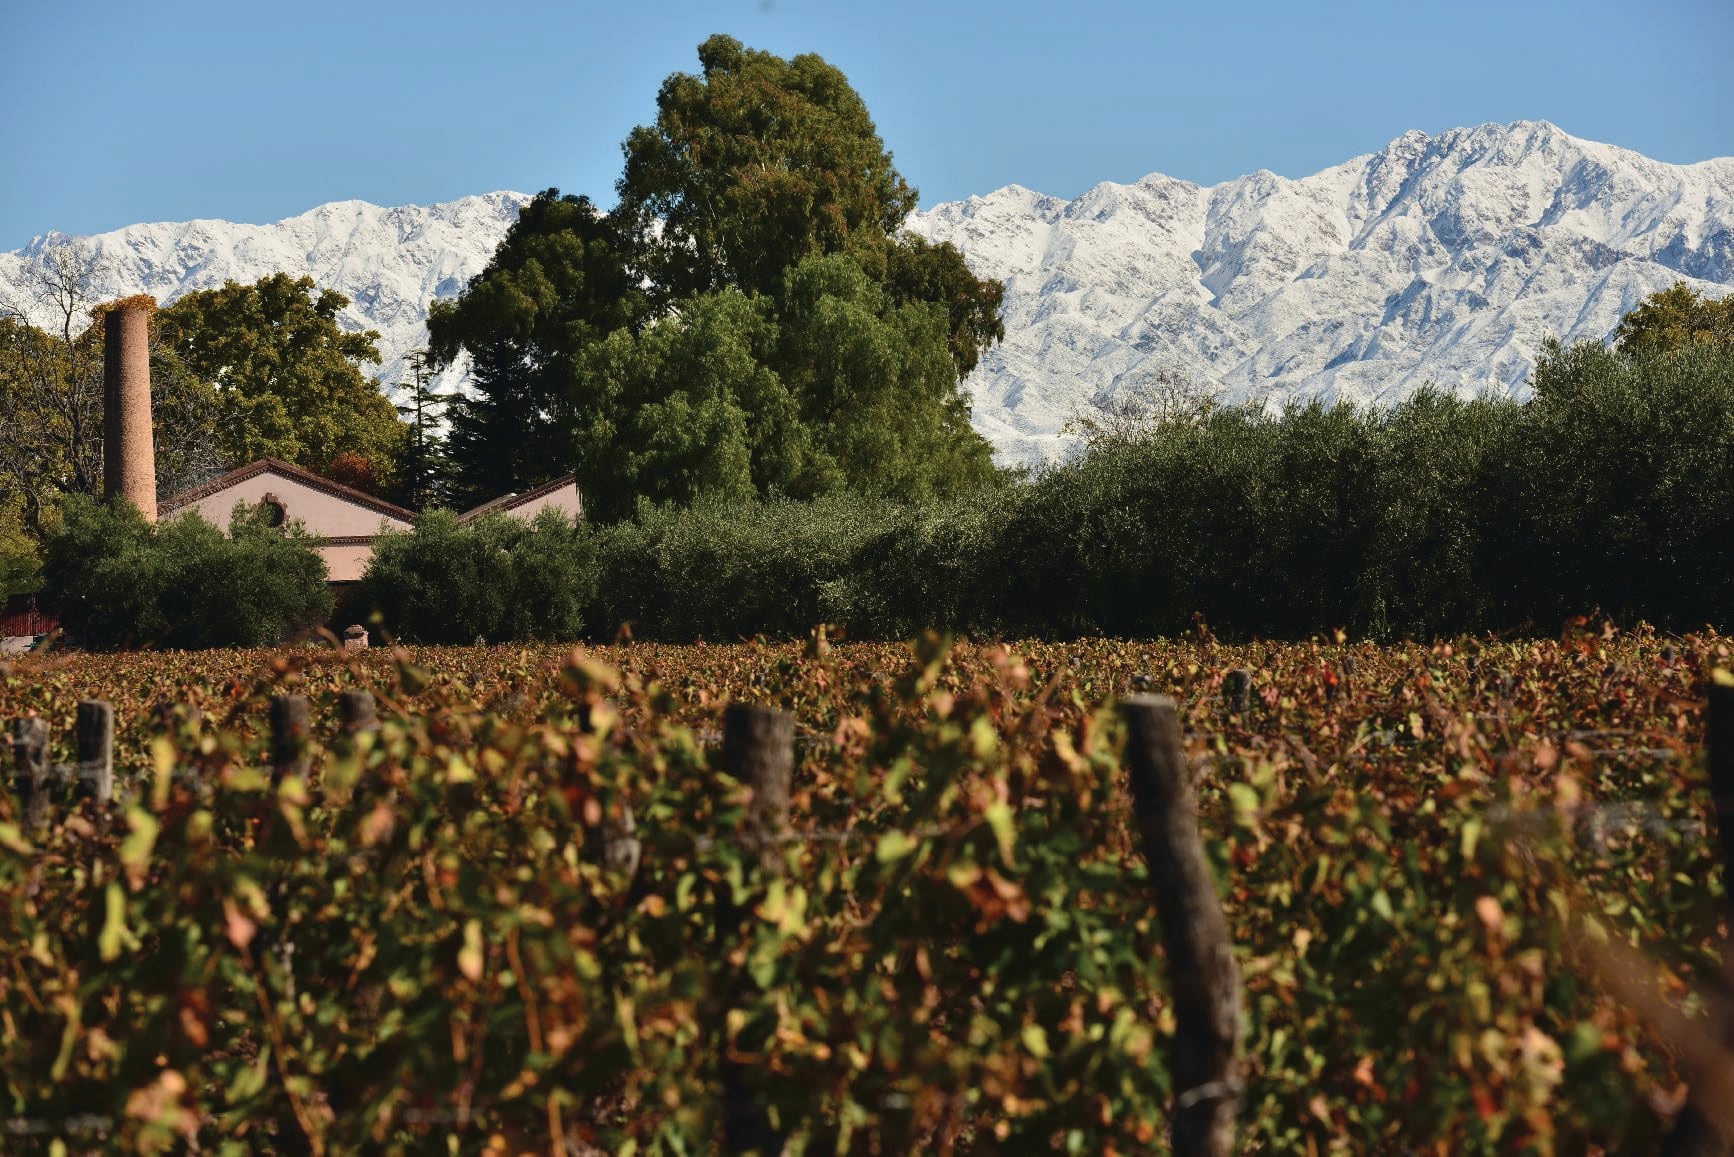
{"type": "Point", "coordinates": [961, 955]}
{"type": "Point", "coordinates": [117, 582]}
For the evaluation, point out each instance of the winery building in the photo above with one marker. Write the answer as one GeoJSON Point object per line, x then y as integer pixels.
{"type": "Point", "coordinates": [344, 521]}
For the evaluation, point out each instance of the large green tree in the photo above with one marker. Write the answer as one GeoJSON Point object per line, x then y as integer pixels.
{"type": "Point", "coordinates": [1675, 318]}
{"type": "Point", "coordinates": [752, 318]}
{"type": "Point", "coordinates": [287, 374]}
{"type": "Point", "coordinates": [557, 283]}
{"type": "Point", "coordinates": [754, 165]}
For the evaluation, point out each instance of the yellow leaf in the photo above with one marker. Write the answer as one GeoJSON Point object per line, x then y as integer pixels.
{"type": "Point", "coordinates": [114, 935]}
{"type": "Point", "coordinates": [163, 763]}
{"type": "Point", "coordinates": [999, 818]}
{"type": "Point", "coordinates": [135, 850]}
{"type": "Point", "coordinates": [13, 839]}
{"type": "Point", "coordinates": [894, 846]}
{"type": "Point", "coordinates": [470, 955]}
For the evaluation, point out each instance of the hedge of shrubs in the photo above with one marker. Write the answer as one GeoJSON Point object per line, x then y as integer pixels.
{"type": "Point", "coordinates": [116, 582]}
{"type": "Point", "coordinates": [1612, 489]}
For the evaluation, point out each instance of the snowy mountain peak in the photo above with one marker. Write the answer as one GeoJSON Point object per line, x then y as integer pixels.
{"type": "Point", "coordinates": [390, 261]}
{"type": "Point", "coordinates": [1444, 258]}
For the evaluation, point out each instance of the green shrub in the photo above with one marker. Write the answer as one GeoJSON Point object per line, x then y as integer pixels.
{"type": "Point", "coordinates": [723, 571]}
{"type": "Point", "coordinates": [496, 579]}
{"type": "Point", "coordinates": [117, 582]}
{"type": "Point", "coordinates": [1437, 515]}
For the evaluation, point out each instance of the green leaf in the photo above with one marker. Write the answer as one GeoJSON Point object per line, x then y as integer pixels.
{"type": "Point", "coordinates": [894, 846]}
{"type": "Point", "coordinates": [250, 1081]}
{"type": "Point", "coordinates": [1244, 799]}
{"type": "Point", "coordinates": [1471, 837]}
{"type": "Point", "coordinates": [114, 935]}
{"type": "Point", "coordinates": [135, 850]}
{"type": "Point", "coordinates": [1035, 1039]}
{"type": "Point", "coordinates": [999, 818]}
{"type": "Point", "coordinates": [13, 839]}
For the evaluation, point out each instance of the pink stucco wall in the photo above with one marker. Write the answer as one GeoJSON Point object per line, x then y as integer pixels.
{"type": "Point", "coordinates": [344, 563]}
{"type": "Point", "coordinates": [325, 515]}
{"type": "Point", "coordinates": [564, 500]}
{"type": "Point", "coordinates": [331, 516]}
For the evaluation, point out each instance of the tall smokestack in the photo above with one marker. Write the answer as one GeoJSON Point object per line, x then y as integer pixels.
{"type": "Point", "coordinates": [129, 456]}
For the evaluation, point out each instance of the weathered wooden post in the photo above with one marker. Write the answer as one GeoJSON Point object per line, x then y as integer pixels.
{"type": "Point", "coordinates": [1236, 690]}
{"type": "Point", "coordinates": [94, 739]}
{"type": "Point", "coordinates": [356, 712]}
{"type": "Point", "coordinates": [30, 768]}
{"type": "Point", "coordinates": [1696, 1131]}
{"type": "Point", "coordinates": [347, 778]}
{"type": "Point", "coordinates": [759, 750]}
{"type": "Point", "coordinates": [291, 737]}
{"type": "Point", "coordinates": [1203, 975]}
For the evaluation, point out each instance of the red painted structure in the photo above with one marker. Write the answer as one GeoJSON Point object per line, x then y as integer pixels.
{"type": "Point", "coordinates": [20, 617]}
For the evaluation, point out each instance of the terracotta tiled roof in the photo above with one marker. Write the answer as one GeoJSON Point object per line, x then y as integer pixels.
{"type": "Point", "coordinates": [513, 501]}
{"type": "Point", "coordinates": [306, 477]}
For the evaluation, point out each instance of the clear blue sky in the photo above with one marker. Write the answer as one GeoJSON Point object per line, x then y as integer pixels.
{"type": "Point", "coordinates": [114, 112]}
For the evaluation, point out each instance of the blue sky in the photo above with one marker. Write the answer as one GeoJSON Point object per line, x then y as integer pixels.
{"type": "Point", "coordinates": [115, 112]}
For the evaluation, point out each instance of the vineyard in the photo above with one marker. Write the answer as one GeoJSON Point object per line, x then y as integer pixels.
{"type": "Point", "coordinates": [514, 913]}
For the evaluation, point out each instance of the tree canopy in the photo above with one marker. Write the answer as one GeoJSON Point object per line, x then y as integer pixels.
{"type": "Point", "coordinates": [287, 375]}
{"type": "Point", "coordinates": [751, 319]}
{"type": "Point", "coordinates": [1675, 318]}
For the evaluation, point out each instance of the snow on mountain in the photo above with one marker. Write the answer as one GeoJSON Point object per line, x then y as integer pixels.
{"type": "Point", "coordinates": [389, 262]}
{"type": "Point", "coordinates": [1443, 258]}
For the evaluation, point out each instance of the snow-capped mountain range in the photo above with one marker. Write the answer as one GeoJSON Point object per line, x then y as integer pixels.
{"type": "Point", "coordinates": [1443, 258]}
{"type": "Point", "coordinates": [390, 263]}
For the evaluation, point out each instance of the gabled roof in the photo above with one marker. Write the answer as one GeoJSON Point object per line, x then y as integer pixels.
{"type": "Point", "coordinates": [305, 477]}
{"type": "Point", "coordinates": [508, 502]}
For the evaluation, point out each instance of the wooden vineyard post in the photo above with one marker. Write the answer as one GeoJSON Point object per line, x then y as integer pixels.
{"type": "Point", "coordinates": [1695, 1132]}
{"type": "Point", "coordinates": [349, 778]}
{"type": "Point", "coordinates": [356, 712]}
{"type": "Point", "coordinates": [291, 732]}
{"type": "Point", "coordinates": [94, 734]}
{"type": "Point", "coordinates": [1236, 691]}
{"type": "Point", "coordinates": [1203, 976]}
{"type": "Point", "coordinates": [759, 750]}
{"type": "Point", "coordinates": [30, 768]}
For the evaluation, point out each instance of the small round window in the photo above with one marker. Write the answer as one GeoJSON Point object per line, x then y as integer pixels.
{"type": "Point", "coordinates": [272, 510]}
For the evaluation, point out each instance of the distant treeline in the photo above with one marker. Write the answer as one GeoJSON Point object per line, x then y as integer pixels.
{"type": "Point", "coordinates": [1612, 489]}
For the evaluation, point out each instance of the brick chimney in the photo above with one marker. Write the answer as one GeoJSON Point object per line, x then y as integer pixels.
{"type": "Point", "coordinates": [129, 460]}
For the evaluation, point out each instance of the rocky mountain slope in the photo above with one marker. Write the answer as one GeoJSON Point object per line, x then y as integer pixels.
{"type": "Point", "coordinates": [1444, 259]}
{"type": "Point", "coordinates": [389, 262]}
